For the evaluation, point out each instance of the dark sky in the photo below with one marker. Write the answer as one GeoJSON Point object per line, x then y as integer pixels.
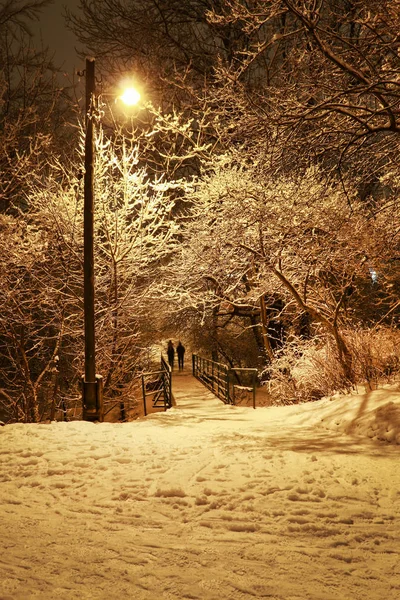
{"type": "Point", "coordinates": [57, 37]}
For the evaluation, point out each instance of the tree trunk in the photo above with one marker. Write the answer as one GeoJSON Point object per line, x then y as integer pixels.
{"type": "Point", "coordinates": [344, 353]}
{"type": "Point", "coordinates": [264, 328]}
{"type": "Point", "coordinates": [214, 334]}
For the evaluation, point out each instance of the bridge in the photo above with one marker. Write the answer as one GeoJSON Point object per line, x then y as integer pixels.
{"type": "Point", "coordinates": [203, 383]}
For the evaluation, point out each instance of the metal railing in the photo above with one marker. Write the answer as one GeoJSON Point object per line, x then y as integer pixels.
{"type": "Point", "coordinates": [213, 375]}
{"type": "Point", "coordinates": [158, 386]}
{"type": "Point", "coordinates": [225, 382]}
{"type": "Point", "coordinates": [239, 390]}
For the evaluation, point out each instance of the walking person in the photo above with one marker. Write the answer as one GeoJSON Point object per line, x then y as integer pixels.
{"type": "Point", "coordinates": [180, 350]}
{"type": "Point", "coordinates": [171, 354]}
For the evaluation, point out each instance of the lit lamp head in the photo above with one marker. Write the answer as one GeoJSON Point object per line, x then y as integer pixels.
{"type": "Point", "coordinates": [130, 96]}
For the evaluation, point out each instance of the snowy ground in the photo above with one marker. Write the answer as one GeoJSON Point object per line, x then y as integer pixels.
{"type": "Point", "coordinates": [206, 502]}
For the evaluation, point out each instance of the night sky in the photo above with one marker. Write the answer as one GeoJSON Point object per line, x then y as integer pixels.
{"type": "Point", "coordinates": [57, 37]}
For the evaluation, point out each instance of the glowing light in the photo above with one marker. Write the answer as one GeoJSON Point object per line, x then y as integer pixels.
{"type": "Point", "coordinates": [374, 275]}
{"type": "Point", "coordinates": [130, 96]}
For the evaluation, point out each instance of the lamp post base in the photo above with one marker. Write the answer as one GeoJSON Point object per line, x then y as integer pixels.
{"type": "Point", "coordinates": [92, 399]}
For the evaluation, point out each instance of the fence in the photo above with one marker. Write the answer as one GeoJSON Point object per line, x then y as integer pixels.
{"type": "Point", "coordinates": [225, 382]}
{"type": "Point", "coordinates": [158, 386]}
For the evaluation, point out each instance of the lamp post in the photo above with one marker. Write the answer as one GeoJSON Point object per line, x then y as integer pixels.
{"type": "Point", "coordinates": [92, 384]}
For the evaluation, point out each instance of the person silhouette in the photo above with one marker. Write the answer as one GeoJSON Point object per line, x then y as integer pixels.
{"type": "Point", "coordinates": [171, 354]}
{"type": "Point", "coordinates": [180, 350]}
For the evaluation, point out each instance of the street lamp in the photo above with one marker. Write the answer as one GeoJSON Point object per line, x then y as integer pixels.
{"type": "Point", "coordinates": [92, 384]}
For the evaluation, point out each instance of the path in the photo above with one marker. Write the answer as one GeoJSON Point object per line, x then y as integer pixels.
{"type": "Point", "coordinates": [205, 501]}
{"type": "Point", "coordinates": [189, 393]}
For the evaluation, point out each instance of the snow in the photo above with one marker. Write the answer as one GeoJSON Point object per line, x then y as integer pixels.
{"type": "Point", "coordinates": [206, 501]}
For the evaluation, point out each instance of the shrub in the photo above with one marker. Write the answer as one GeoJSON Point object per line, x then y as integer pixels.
{"type": "Point", "coordinates": [376, 354]}
{"type": "Point", "coordinates": [308, 370]}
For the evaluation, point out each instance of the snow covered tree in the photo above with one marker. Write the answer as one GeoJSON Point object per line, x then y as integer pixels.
{"type": "Point", "coordinates": [168, 44]}
{"type": "Point", "coordinates": [33, 105]}
{"type": "Point", "coordinates": [289, 83]}
{"type": "Point", "coordinates": [297, 240]}
{"type": "Point", "coordinates": [20, 292]}
{"type": "Point", "coordinates": [324, 74]}
{"type": "Point", "coordinates": [41, 326]}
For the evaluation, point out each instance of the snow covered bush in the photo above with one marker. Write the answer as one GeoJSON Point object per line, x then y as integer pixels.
{"type": "Point", "coordinates": [309, 369]}
{"type": "Point", "coordinates": [305, 370]}
{"type": "Point", "coordinates": [376, 353]}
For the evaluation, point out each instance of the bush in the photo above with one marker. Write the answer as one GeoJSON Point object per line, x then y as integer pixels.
{"type": "Point", "coordinates": [305, 370]}
{"type": "Point", "coordinates": [308, 370]}
{"type": "Point", "coordinates": [376, 355]}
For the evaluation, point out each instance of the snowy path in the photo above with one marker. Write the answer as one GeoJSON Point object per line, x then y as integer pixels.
{"type": "Point", "coordinates": [206, 502]}
{"type": "Point", "coordinates": [190, 394]}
